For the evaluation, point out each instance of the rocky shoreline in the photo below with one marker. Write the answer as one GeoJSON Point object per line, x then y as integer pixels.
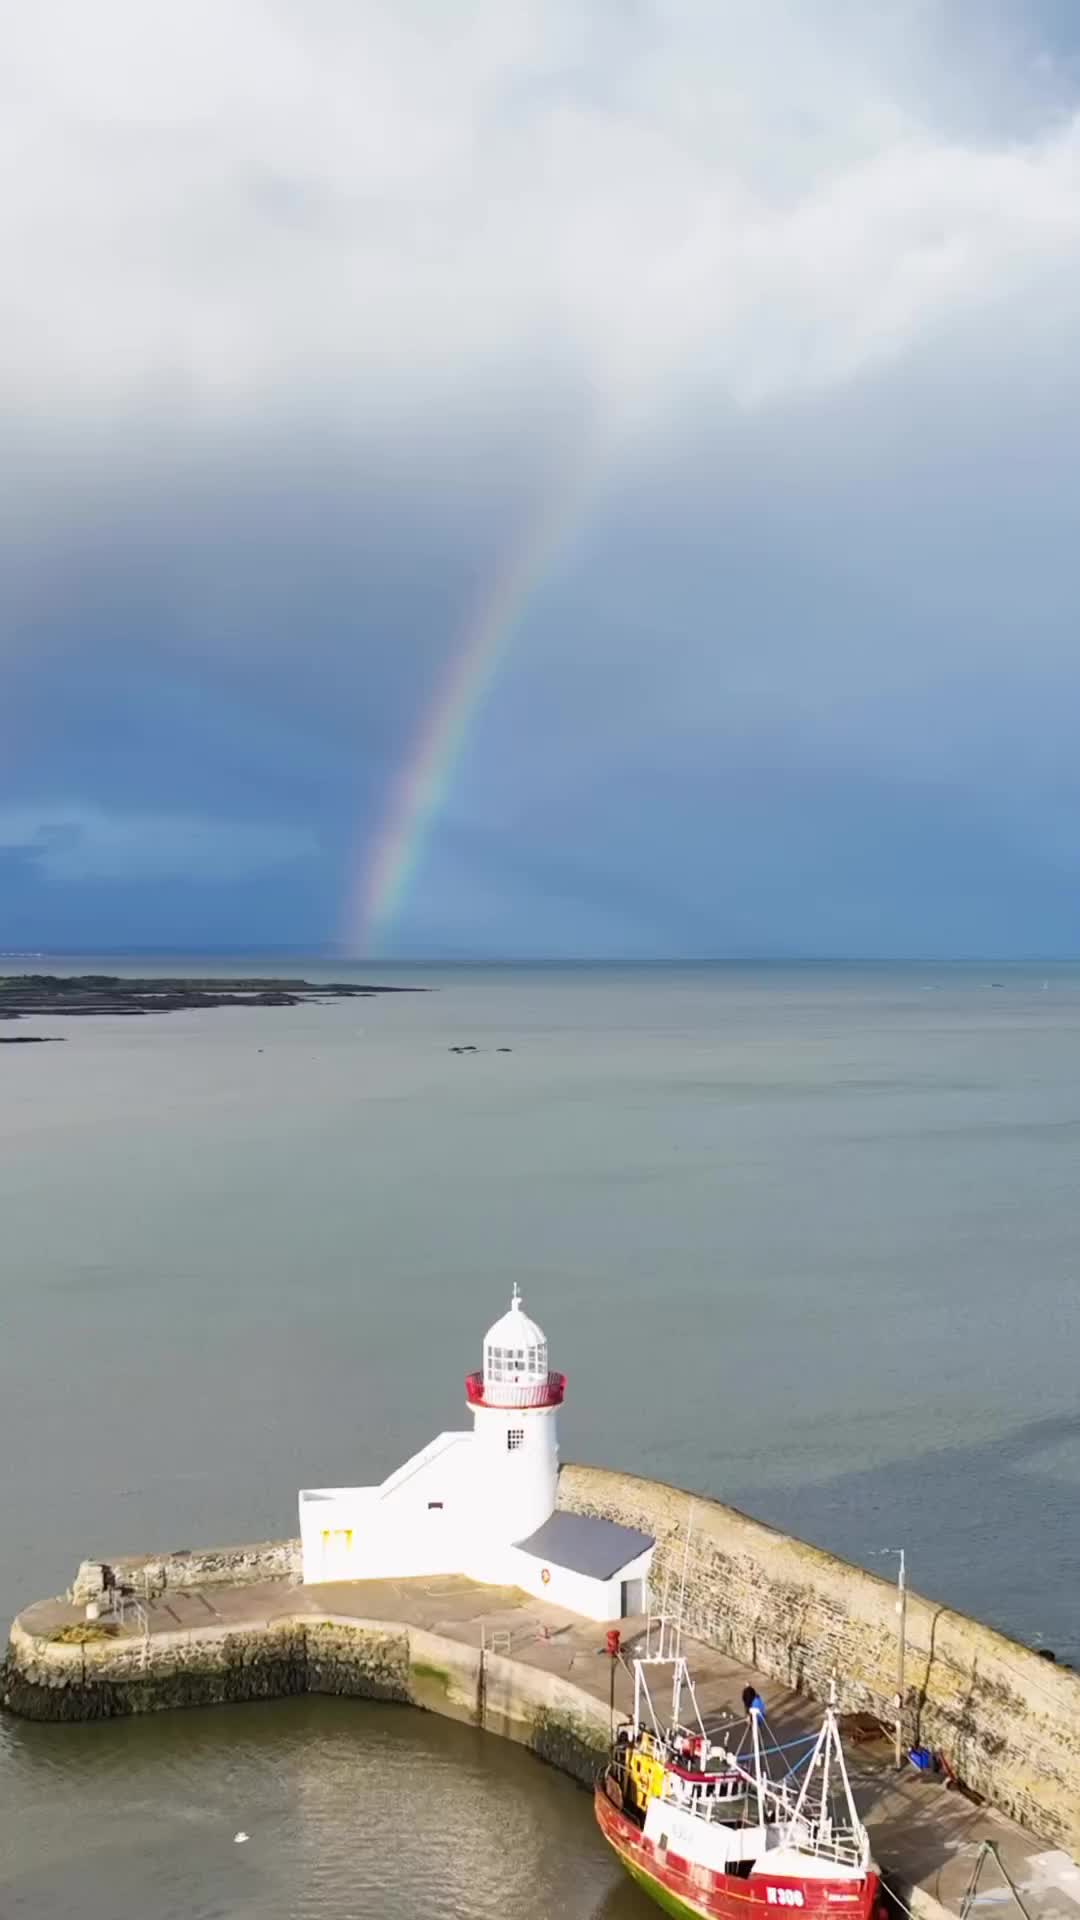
{"type": "Point", "coordinates": [88, 994]}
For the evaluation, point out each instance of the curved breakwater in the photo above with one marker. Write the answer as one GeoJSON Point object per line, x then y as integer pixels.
{"type": "Point", "coordinates": [297, 1654]}
{"type": "Point", "coordinates": [1007, 1721]}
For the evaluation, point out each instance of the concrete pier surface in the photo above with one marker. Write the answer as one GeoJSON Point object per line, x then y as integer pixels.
{"type": "Point", "coordinates": [501, 1659]}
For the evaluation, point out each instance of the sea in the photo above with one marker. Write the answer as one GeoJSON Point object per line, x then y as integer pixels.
{"type": "Point", "coordinates": [805, 1238]}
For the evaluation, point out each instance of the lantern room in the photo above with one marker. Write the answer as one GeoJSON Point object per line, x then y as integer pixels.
{"type": "Point", "coordinates": [515, 1371]}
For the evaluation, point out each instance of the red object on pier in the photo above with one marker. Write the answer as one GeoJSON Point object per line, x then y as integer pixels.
{"type": "Point", "coordinates": [614, 1642]}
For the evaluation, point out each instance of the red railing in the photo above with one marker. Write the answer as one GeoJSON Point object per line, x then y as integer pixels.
{"type": "Point", "coordinates": [507, 1393]}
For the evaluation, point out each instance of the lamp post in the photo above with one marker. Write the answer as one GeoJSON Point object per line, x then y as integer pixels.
{"type": "Point", "coordinates": [901, 1609]}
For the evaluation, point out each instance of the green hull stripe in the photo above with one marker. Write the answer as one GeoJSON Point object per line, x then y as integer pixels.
{"type": "Point", "coordinates": [663, 1895]}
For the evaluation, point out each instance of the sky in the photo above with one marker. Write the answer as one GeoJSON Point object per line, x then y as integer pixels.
{"type": "Point", "coordinates": [529, 480]}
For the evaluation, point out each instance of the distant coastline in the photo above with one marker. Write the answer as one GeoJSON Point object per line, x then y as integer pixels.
{"type": "Point", "coordinates": [89, 994]}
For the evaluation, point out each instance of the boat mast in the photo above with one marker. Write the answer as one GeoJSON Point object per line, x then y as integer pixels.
{"type": "Point", "coordinates": [643, 1701]}
{"type": "Point", "coordinates": [826, 1820]}
{"type": "Point", "coordinates": [829, 1747]}
{"type": "Point", "coordinates": [755, 1734]}
{"type": "Point", "coordinates": [801, 1811]}
{"type": "Point", "coordinates": [849, 1797]}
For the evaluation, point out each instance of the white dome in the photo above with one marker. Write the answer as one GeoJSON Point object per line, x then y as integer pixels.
{"type": "Point", "coordinates": [515, 1348]}
{"type": "Point", "coordinates": [515, 1329]}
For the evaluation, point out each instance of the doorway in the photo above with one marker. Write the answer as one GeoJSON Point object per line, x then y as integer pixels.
{"type": "Point", "coordinates": [633, 1598]}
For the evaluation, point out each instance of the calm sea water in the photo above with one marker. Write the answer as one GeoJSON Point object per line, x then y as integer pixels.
{"type": "Point", "coordinates": [806, 1239]}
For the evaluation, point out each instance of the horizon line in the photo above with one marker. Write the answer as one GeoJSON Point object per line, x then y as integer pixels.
{"type": "Point", "coordinates": [332, 951]}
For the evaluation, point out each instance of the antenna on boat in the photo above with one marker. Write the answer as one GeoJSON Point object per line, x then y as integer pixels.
{"type": "Point", "coordinates": [659, 1651]}
{"type": "Point", "coordinates": [680, 1674]}
{"type": "Point", "coordinates": [665, 1650]}
{"type": "Point", "coordinates": [682, 1585]}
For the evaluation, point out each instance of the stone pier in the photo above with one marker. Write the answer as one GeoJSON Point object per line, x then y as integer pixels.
{"type": "Point", "coordinates": [235, 1625]}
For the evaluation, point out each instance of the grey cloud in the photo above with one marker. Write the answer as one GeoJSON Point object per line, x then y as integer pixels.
{"type": "Point", "coordinates": [321, 307]}
{"type": "Point", "coordinates": [256, 202]}
{"type": "Point", "coordinates": [86, 844]}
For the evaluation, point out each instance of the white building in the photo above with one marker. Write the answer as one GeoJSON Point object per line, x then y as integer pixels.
{"type": "Point", "coordinates": [483, 1503]}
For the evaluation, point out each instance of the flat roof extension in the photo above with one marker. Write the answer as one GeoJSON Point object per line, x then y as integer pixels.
{"type": "Point", "coordinates": [584, 1544]}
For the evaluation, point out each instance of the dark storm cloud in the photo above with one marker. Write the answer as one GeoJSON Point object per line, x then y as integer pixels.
{"type": "Point", "coordinates": [319, 309]}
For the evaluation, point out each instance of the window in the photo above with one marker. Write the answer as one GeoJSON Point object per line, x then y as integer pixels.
{"type": "Point", "coordinates": [515, 1438]}
{"type": "Point", "coordinates": [434, 1506]}
{"type": "Point", "coordinates": [511, 1364]}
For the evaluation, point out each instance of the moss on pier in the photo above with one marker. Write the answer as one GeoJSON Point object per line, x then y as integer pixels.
{"type": "Point", "coordinates": [567, 1742]}
{"type": "Point", "coordinates": [432, 1676]}
{"type": "Point", "coordinates": [83, 1633]}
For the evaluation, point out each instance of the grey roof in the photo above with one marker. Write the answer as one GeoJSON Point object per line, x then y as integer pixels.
{"type": "Point", "coordinates": [586, 1545]}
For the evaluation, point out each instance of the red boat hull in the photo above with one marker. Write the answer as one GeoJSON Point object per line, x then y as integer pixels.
{"type": "Point", "coordinates": [697, 1893]}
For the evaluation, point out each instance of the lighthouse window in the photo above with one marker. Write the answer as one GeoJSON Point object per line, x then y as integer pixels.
{"type": "Point", "coordinates": [515, 1438]}
{"type": "Point", "coordinates": [510, 1363]}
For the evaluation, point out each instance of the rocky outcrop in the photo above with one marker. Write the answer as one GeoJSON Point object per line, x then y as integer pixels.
{"type": "Point", "coordinates": [96, 993]}
{"type": "Point", "coordinates": [189, 1567]}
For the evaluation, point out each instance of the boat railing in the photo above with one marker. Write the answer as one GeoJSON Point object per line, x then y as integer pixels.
{"type": "Point", "coordinates": [844, 1845]}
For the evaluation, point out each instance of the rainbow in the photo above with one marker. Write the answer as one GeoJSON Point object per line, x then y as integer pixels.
{"type": "Point", "coordinates": [419, 790]}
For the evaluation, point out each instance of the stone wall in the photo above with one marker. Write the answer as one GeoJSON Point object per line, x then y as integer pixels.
{"type": "Point", "coordinates": [191, 1567]}
{"type": "Point", "coordinates": [1007, 1722]}
{"type": "Point", "coordinates": [50, 1680]}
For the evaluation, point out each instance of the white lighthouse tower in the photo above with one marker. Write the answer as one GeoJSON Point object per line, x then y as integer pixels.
{"type": "Point", "coordinates": [485, 1504]}
{"type": "Point", "coordinates": [515, 1401]}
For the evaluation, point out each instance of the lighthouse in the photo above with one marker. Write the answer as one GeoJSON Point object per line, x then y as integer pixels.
{"type": "Point", "coordinates": [485, 1504]}
{"type": "Point", "coordinates": [515, 1401]}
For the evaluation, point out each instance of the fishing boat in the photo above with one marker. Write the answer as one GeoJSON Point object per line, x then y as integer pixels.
{"type": "Point", "coordinates": [723, 1824]}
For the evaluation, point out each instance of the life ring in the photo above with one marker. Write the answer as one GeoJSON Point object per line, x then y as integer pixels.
{"type": "Point", "coordinates": [545, 1575]}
